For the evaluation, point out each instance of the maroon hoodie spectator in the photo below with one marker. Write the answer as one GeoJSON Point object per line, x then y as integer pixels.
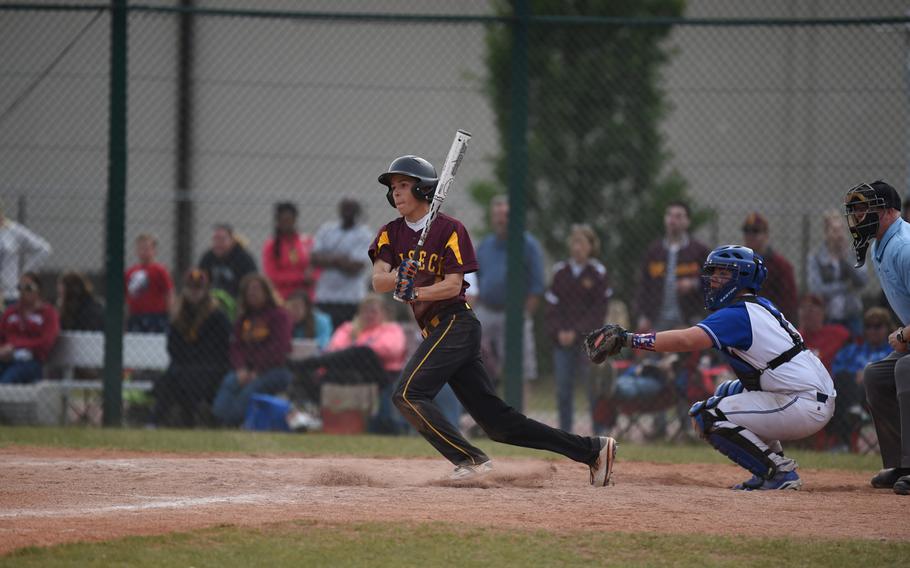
{"type": "Point", "coordinates": [576, 304]}
{"type": "Point", "coordinates": [258, 353]}
{"type": "Point", "coordinates": [780, 287]}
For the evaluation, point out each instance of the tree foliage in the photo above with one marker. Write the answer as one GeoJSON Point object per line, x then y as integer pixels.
{"type": "Point", "coordinates": [595, 103]}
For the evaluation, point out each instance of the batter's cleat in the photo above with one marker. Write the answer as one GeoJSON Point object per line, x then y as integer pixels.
{"type": "Point", "coordinates": [755, 482]}
{"type": "Point", "coordinates": [468, 471]}
{"type": "Point", "coordinates": [602, 468]}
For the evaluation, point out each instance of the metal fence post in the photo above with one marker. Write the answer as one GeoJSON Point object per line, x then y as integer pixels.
{"type": "Point", "coordinates": [116, 219]}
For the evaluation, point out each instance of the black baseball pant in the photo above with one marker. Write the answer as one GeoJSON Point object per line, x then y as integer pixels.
{"type": "Point", "coordinates": [450, 353]}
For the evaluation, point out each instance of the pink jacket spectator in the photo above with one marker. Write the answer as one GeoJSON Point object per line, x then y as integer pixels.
{"type": "Point", "coordinates": [387, 340]}
{"type": "Point", "coordinates": [291, 271]}
{"type": "Point", "coordinates": [36, 331]}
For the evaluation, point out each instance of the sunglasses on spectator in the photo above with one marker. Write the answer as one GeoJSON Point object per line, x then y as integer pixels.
{"type": "Point", "coordinates": [27, 288]}
{"type": "Point", "coordinates": [753, 231]}
{"type": "Point", "coordinates": [874, 325]}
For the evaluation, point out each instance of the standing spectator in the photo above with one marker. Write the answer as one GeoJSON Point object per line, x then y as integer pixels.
{"type": "Point", "coordinates": [28, 330]}
{"type": "Point", "coordinates": [20, 251]}
{"type": "Point", "coordinates": [824, 339]}
{"type": "Point", "coordinates": [780, 287]}
{"type": "Point", "coordinates": [847, 371]}
{"type": "Point", "coordinates": [833, 277]}
{"type": "Point", "coordinates": [493, 289]}
{"type": "Point", "coordinates": [308, 322]}
{"type": "Point", "coordinates": [197, 343]}
{"type": "Point", "coordinates": [576, 304]}
{"type": "Point", "coordinates": [873, 213]}
{"type": "Point", "coordinates": [149, 290]}
{"type": "Point", "coordinates": [79, 310]}
{"type": "Point", "coordinates": [668, 294]}
{"type": "Point", "coordinates": [286, 256]}
{"type": "Point", "coordinates": [226, 263]}
{"type": "Point", "coordinates": [339, 251]}
{"type": "Point", "coordinates": [260, 344]}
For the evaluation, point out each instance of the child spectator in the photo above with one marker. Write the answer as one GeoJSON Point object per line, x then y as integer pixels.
{"type": "Point", "coordinates": [197, 343]}
{"type": "Point", "coordinates": [259, 347]}
{"type": "Point", "coordinates": [576, 304]}
{"type": "Point", "coordinates": [28, 331]}
{"type": "Point", "coordinates": [149, 290]}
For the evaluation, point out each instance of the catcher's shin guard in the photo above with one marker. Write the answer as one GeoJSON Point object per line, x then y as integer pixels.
{"type": "Point", "coordinates": [734, 442]}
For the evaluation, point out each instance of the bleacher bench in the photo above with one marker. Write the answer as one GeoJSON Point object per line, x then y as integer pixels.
{"type": "Point", "coordinates": [49, 401]}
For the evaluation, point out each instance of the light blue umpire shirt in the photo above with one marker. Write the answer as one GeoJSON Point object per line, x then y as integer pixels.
{"type": "Point", "coordinates": [891, 258]}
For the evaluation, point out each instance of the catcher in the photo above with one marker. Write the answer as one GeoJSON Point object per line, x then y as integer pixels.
{"type": "Point", "coordinates": [782, 390]}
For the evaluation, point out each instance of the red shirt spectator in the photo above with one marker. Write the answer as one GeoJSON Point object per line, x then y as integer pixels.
{"type": "Point", "coordinates": [33, 329]}
{"type": "Point", "coordinates": [823, 339]}
{"type": "Point", "coordinates": [148, 287]}
{"type": "Point", "coordinates": [261, 339]}
{"type": "Point", "coordinates": [286, 256]}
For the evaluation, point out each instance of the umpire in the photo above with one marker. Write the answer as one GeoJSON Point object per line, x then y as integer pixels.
{"type": "Point", "coordinates": [873, 213]}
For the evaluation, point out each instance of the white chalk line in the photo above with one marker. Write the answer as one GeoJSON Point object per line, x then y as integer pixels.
{"type": "Point", "coordinates": [178, 503]}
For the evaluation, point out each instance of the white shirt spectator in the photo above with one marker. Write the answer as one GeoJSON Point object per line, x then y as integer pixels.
{"type": "Point", "coordinates": [20, 251]}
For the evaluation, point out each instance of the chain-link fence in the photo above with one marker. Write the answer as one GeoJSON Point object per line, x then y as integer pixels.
{"type": "Point", "coordinates": [233, 109]}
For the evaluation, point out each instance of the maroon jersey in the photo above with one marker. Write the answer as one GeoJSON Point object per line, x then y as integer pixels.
{"type": "Point", "coordinates": [447, 250]}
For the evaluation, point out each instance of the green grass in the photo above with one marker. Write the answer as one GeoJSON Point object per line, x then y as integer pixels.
{"type": "Point", "coordinates": [195, 441]}
{"type": "Point", "coordinates": [437, 544]}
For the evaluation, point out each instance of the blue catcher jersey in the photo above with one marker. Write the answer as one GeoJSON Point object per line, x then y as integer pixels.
{"type": "Point", "coordinates": [752, 333]}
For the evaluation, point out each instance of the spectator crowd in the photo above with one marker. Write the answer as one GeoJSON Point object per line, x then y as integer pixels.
{"type": "Point", "coordinates": [234, 325]}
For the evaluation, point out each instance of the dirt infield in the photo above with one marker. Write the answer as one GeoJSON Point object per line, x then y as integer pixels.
{"type": "Point", "coordinates": [51, 496]}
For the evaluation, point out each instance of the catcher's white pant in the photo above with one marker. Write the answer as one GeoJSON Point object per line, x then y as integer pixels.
{"type": "Point", "coordinates": [773, 416]}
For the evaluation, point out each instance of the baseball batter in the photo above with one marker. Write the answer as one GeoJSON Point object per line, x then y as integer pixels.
{"type": "Point", "coordinates": [434, 286]}
{"type": "Point", "coordinates": [783, 391]}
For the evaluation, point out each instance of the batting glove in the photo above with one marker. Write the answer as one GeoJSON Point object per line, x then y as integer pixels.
{"type": "Point", "coordinates": [408, 268]}
{"type": "Point", "coordinates": [405, 290]}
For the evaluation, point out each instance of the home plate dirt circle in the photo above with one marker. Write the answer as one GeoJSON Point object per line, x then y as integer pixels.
{"type": "Point", "coordinates": [50, 496]}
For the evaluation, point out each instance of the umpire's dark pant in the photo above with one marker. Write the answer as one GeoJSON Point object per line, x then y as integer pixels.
{"type": "Point", "coordinates": [887, 385]}
{"type": "Point", "coordinates": [451, 353]}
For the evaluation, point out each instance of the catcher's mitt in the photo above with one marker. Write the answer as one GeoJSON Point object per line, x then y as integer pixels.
{"type": "Point", "coordinates": [605, 342]}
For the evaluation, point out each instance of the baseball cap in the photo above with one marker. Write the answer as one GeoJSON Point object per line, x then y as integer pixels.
{"type": "Point", "coordinates": [755, 220]}
{"type": "Point", "coordinates": [886, 193]}
{"type": "Point", "coordinates": [196, 278]}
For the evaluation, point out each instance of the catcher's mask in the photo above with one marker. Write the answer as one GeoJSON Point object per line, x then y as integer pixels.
{"type": "Point", "coordinates": [747, 272]}
{"type": "Point", "coordinates": [863, 205]}
{"type": "Point", "coordinates": [417, 168]}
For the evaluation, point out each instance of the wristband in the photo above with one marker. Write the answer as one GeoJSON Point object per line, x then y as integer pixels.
{"type": "Point", "coordinates": [643, 341]}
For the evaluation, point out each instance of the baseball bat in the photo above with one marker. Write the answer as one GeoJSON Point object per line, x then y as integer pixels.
{"type": "Point", "coordinates": [446, 179]}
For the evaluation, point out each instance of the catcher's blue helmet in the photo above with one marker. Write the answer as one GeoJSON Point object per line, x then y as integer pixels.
{"type": "Point", "coordinates": [748, 272]}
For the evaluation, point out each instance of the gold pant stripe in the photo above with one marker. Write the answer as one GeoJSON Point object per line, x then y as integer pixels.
{"type": "Point", "coordinates": [404, 394]}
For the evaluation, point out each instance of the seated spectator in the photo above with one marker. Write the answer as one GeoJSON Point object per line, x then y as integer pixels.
{"type": "Point", "coordinates": [308, 321]}
{"type": "Point", "coordinates": [79, 310]}
{"type": "Point", "coordinates": [149, 290]}
{"type": "Point", "coordinates": [367, 349]}
{"type": "Point", "coordinates": [647, 377]}
{"type": "Point", "coordinates": [824, 339]}
{"type": "Point", "coordinates": [259, 347]}
{"type": "Point", "coordinates": [847, 370]}
{"type": "Point", "coordinates": [28, 330]}
{"type": "Point", "coordinates": [576, 303]}
{"type": "Point", "coordinates": [832, 276]}
{"type": "Point", "coordinates": [197, 342]}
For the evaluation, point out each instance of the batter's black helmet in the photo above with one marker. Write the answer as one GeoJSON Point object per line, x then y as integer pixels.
{"type": "Point", "coordinates": [417, 168]}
